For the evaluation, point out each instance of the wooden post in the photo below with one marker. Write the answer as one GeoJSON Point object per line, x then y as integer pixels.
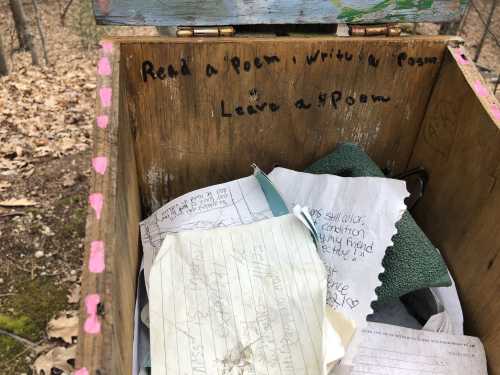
{"type": "Point", "coordinates": [4, 68]}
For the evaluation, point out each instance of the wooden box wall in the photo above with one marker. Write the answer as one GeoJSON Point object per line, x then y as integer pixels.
{"type": "Point", "coordinates": [174, 115]}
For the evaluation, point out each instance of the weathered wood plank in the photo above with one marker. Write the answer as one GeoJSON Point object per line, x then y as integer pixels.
{"type": "Point", "coordinates": [238, 12]}
{"type": "Point", "coordinates": [169, 134]}
{"type": "Point", "coordinates": [286, 101]}
{"type": "Point", "coordinates": [112, 234]}
{"type": "Point", "coordinates": [459, 145]}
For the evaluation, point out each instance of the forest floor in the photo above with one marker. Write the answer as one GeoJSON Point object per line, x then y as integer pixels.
{"type": "Point", "coordinates": [46, 118]}
{"type": "Point", "coordinates": [46, 121]}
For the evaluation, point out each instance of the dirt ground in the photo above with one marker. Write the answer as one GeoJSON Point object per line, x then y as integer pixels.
{"type": "Point", "coordinates": [46, 121]}
{"type": "Point", "coordinates": [46, 118]}
{"type": "Point", "coordinates": [472, 30]}
{"type": "Point", "coordinates": [45, 130]}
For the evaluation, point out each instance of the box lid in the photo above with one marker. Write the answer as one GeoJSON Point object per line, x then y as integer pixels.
{"type": "Point", "coordinates": [248, 12]}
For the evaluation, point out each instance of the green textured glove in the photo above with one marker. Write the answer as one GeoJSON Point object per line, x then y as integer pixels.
{"type": "Point", "coordinates": [413, 262]}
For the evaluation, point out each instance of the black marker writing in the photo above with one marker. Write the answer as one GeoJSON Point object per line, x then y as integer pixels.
{"type": "Point", "coordinates": [210, 70]}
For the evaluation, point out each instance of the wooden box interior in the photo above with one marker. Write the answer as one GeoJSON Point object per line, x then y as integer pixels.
{"type": "Point", "coordinates": [408, 101]}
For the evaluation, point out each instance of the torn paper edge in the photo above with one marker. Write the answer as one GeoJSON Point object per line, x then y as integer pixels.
{"type": "Point", "coordinates": [356, 339]}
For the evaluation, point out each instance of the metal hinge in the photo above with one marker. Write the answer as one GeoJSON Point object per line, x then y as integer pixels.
{"type": "Point", "coordinates": [213, 31]}
{"type": "Point", "coordinates": [374, 30]}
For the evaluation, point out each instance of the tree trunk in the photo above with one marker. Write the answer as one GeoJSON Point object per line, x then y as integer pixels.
{"type": "Point", "coordinates": [40, 31]}
{"type": "Point", "coordinates": [23, 33]}
{"type": "Point", "coordinates": [4, 69]}
{"type": "Point", "coordinates": [21, 26]}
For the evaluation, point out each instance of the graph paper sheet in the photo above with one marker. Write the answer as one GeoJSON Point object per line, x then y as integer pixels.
{"type": "Point", "coordinates": [392, 350]}
{"type": "Point", "coordinates": [224, 205]}
{"type": "Point", "coordinates": [242, 300]}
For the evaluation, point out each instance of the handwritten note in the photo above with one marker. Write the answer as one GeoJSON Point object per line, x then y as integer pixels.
{"type": "Point", "coordinates": [393, 350]}
{"type": "Point", "coordinates": [249, 299]}
{"type": "Point", "coordinates": [355, 219]}
{"type": "Point", "coordinates": [233, 203]}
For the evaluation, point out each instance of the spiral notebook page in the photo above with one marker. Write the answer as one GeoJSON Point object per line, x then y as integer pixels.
{"type": "Point", "coordinates": [243, 300]}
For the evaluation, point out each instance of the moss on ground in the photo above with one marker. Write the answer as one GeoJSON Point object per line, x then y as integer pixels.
{"type": "Point", "coordinates": [36, 302]}
{"type": "Point", "coordinates": [39, 300]}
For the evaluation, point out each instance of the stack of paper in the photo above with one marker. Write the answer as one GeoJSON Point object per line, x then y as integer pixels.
{"type": "Point", "coordinates": [234, 291]}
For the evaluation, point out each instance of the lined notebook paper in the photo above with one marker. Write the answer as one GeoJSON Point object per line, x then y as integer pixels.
{"type": "Point", "coordinates": [355, 219]}
{"type": "Point", "coordinates": [241, 300]}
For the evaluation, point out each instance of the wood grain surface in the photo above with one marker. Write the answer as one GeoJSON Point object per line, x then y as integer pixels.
{"type": "Point", "coordinates": [459, 145]}
{"type": "Point", "coordinates": [272, 101]}
{"type": "Point", "coordinates": [288, 101]}
{"type": "Point", "coordinates": [110, 350]}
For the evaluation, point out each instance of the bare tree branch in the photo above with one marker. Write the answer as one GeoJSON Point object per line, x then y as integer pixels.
{"type": "Point", "coordinates": [18, 338]}
{"type": "Point", "coordinates": [65, 11]}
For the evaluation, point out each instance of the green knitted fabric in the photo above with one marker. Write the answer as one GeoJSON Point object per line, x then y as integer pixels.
{"type": "Point", "coordinates": [413, 262]}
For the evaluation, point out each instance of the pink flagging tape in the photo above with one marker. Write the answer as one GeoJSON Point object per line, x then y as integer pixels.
{"type": "Point", "coordinates": [495, 110]}
{"type": "Point", "coordinates": [102, 121]}
{"type": "Point", "coordinates": [104, 67]}
{"type": "Point", "coordinates": [480, 89]}
{"type": "Point", "coordinates": [105, 95]}
{"type": "Point", "coordinates": [106, 46]}
{"type": "Point", "coordinates": [96, 261]}
{"type": "Point", "coordinates": [96, 201]}
{"type": "Point", "coordinates": [460, 57]}
{"type": "Point", "coordinates": [82, 371]}
{"type": "Point", "coordinates": [92, 324]}
{"type": "Point", "coordinates": [100, 163]}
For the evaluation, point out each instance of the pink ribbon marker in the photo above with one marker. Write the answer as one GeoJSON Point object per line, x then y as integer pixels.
{"type": "Point", "coordinates": [82, 371]}
{"type": "Point", "coordinates": [105, 95]}
{"type": "Point", "coordinates": [480, 89]}
{"type": "Point", "coordinates": [102, 121]}
{"type": "Point", "coordinates": [103, 67]}
{"type": "Point", "coordinates": [495, 111]}
{"type": "Point", "coordinates": [106, 46]}
{"type": "Point", "coordinates": [96, 261]}
{"type": "Point", "coordinates": [96, 201]}
{"type": "Point", "coordinates": [100, 163]}
{"type": "Point", "coordinates": [92, 324]}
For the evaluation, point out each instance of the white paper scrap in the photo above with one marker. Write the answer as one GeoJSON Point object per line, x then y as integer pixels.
{"type": "Point", "coordinates": [355, 219]}
{"type": "Point", "coordinates": [233, 203]}
{"type": "Point", "coordinates": [392, 350]}
{"type": "Point", "coordinates": [248, 299]}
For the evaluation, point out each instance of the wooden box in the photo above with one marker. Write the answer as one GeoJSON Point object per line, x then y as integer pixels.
{"type": "Point", "coordinates": [175, 115]}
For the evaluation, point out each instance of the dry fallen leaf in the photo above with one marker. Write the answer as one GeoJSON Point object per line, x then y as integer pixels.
{"type": "Point", "coordinates": [22, 202]}
{"type": "Point", "coordinates": [56, 358]}
{"type": "Point", "coordinates": [68, 180]}
{"type": "Point", "coordinates": [64, 326]}
{"type": "Point", "coordinates": [74, 294]}
{"type": "Point", "coordinates": [4, 185]}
